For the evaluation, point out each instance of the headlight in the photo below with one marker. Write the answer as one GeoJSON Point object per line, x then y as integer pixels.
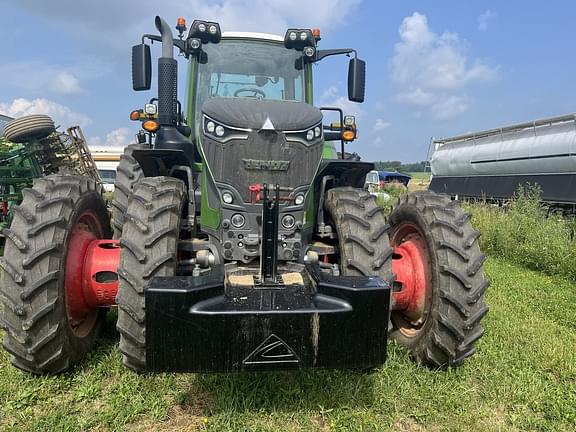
{"type": "Point", "coordinates": [299, 199]}
{"type": "Point", "coordinates": [307, 136]}
{"type": "Point", "coordinates": [238, 220]}
{"type": "Point", "coordinates": [219, 131]}
{"type": "Point", "coordinates": [288, 221]}
{"type": "Point", "coordinates": [309, 51]}
{"type": "Point", "coordinates": [317, 131]}
{"type": "Point", "coordinates": [194, 43]}
{"type": "Point", "coordinates": [210, 126]}
{"type": "Point", "coordinates": [227, 197]}
{"type": "Point", "coordinates": [202, 27]}
{"type": "Point", "coordinates": [150, 109]}
{"type": "Point", "coordinates": [349, 120]}
{"type": "Point", "coordinates": [299, 39]}
{"type": "Point", "coordinates": [212, 29]}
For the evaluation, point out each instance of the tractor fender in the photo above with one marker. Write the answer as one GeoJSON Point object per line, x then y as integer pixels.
{"type": "Point", "coordinates": [158, 162]}
{"type": "Point", "coordinates": [346, 172]}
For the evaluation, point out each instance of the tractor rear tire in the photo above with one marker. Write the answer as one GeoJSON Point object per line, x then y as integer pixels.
{"type": "Point", "coordinates": [128, 174]}
{"type": "Point", "coordinates": [149, 245]}
{"type": "Point", "coordinates": [362, 233]}
{"type": "Point", "coordinates": [450, 325]}
{"type": "Point", "coordinates": [30, 127]}
{"type": "Point", "coordinates": [39, 334]}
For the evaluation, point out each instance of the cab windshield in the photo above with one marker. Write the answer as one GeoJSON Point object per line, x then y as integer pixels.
{"type": "Point", "coordinates": [249, 69]}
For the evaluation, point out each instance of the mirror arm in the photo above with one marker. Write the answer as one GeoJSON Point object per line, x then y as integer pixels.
{"type": "Point", "coordinates": [341, 115]}
{"type": "Point", "coordinates": [181, 44]}
{"type": "Point", "coordinates": [151, 37]}
{"type": "Point", "coordinates": [321, 54]}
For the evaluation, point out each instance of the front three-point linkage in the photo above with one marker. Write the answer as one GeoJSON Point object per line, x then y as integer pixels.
{"type": "Point", "coordinates": [269, 244]}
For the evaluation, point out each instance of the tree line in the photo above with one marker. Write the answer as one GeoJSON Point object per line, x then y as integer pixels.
{"type": "Point", "coordinates": [399, 166]}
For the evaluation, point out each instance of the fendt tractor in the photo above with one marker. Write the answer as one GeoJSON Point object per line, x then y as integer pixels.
{"type": "Point", "coordinates": [240, 238]}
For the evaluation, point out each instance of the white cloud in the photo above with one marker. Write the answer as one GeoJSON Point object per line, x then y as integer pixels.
{"type": "Point", "coordinates": [62, 115]}
{"type": "Point", "coordinates": [484, 19]}
{"type": "Point", "coordinates": [416, 97]}
{"type": "Point", "coordinates": [381, 125]}
{"type": "Point", "coordinates": [117, 138]}
{"type": "Point", "coordinates": [431, 70]}
{"type": "Point", "coordinates": [37, 77]}
{"type": "Point", "coordinates": [110, 21]}
{"type": "Point", "coordinates": [330, 93]}
{"type": "Point", "coordinates": [331, 97]}
{"type": "Point", "coordinates": [449, 107]}
{"type": "Point", "coordinates": [65, 83]}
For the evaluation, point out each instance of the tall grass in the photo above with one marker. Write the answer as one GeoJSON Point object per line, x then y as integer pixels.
{"type": "Point", "coordinates": [526, 233]}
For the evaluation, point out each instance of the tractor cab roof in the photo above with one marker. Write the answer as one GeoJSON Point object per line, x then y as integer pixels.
{"type": "Point", "coordinates": [252, 35]}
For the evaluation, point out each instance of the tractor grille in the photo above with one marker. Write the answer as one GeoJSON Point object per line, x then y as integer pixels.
{"type": "Point", "coordinates": [265, 157]}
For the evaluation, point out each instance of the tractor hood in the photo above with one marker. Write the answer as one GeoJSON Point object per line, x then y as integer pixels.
{"type": "Point", "coordinates": [248, 113]}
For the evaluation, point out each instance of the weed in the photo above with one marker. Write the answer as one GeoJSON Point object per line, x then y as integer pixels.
{"type": "Point", "coordinates": [526, 233]}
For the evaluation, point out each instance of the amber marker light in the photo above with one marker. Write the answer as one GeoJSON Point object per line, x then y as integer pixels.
{"type": "Point", "coordinates": [181, 22]}
{"type": "Point", "coordinates": [150, 126]}
{"type": "Point", "coordinates": [135, 115]}
{"type": "Point", "coordinates": [348, 135]}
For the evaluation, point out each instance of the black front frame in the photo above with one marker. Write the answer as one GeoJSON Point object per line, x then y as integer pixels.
{"type": "Point", "coordinates": [193, 324]}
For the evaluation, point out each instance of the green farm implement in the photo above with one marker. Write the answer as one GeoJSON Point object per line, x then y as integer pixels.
{"type": "Point", "coordinates": [32, 147]}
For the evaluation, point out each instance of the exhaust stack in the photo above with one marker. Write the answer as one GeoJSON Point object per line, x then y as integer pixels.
{"type": "Point", "coordinates": [167, 77]}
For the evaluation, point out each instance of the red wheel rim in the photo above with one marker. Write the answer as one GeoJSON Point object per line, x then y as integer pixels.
{"type": "Point", "coordinates": [413, 284]}
{"type": "Point", "coordinates": [81, 317]}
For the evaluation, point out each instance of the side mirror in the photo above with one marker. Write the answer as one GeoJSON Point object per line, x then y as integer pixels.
{"type": "Point", "coordinates": [141, 67]}
{"type": "Point", "coordinates": [356, 80]}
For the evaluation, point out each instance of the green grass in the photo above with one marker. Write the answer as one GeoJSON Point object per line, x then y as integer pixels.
{"type": "Point", "coordinates": [524, 233]}
{"type": "Point", "coordinates": [522, 378]}
{"type": "Point", "coordinates": [420, 176]}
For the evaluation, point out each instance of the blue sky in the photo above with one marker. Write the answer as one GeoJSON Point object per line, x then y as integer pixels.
{"type": "Point", "coordinates": [435, 68]}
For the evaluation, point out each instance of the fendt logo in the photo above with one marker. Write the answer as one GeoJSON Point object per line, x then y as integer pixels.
{"type": "Point", "coordinates": [272, 351]}
{"type": "Point", "coordinates": [266, 165]}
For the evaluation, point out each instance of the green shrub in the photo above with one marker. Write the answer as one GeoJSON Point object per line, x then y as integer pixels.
{"type": "Point", "coordinates": [393, 192]}
{"type": "Point", "coordinates": [525, 233]}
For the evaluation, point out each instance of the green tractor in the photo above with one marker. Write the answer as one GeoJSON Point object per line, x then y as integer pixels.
{"type": "Point", "coordinates": [241, 240]}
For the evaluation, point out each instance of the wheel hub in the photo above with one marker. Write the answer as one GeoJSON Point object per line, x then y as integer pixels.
{"type": "Point", "coordinates": [411, 264]}
{"type": "Point", "coordinates": [91, 279]}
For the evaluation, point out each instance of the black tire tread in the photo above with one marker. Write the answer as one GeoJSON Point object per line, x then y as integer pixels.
{"type": "Point", "coordinates": [454, 323]}
{"type": "Point", "coordinates": [128, 174]}
{"type": "Point", "coordinates": [38, 335]}
{"type": "Point", "coordinates": [362, 233]}
{"type": "Point", "coordinates": [153, 208]}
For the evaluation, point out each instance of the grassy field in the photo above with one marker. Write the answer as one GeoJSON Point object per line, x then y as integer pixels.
{"type": "Point", "coordinates": [522, 378]}
{"type": "Point", "coordinates": [419, 181]}
{"type": "Point", "coordinates": [526, 234]}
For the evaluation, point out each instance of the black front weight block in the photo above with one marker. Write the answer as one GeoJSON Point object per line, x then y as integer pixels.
{"type": "Point", "coordinates": [194, 325]}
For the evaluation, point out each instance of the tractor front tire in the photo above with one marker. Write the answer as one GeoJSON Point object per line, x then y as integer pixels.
{"type": "Point", "coordinates": [128, 174]}
{"type": "Point", "coordinates": [445, 332]}
{"type": "Point", "coordinates": [39, 333]}
{"type": "Point", "coordinates": [149, 245]}
{"type": "Point", "coordinates": [362, 233]}
{"type": "Point", "coordinates": [24, 129]}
